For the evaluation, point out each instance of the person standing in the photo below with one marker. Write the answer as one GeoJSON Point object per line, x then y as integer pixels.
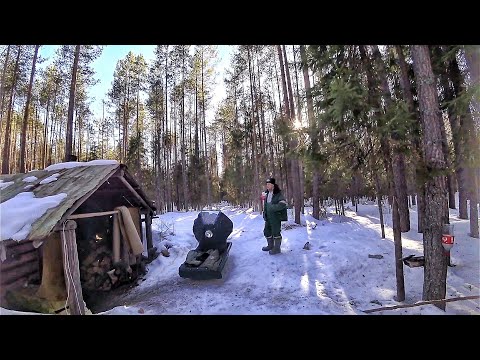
{"type": "Point", "coordinates": [274, 212]}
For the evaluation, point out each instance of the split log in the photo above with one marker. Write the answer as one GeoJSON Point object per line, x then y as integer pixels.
{"type": "Point", "coordinates": [53, 280]}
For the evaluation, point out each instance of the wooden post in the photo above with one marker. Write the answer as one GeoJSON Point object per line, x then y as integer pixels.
{"type": "Point", "coordinates": [53, 281]}
{"type": "Point", "coordinates": [116, 239]}
{"type": "Point", "coordinates": [140, 220]}
{"type": "Point", "coordinates": [71, 268]}
{"type": "Point", "coordinates": [90, 215]}
{"type": "Point", "coordinates": [148, 230]}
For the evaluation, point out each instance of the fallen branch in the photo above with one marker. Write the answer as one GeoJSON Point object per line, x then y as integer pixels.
{"type": "Point", "coordinates": [422, 303]}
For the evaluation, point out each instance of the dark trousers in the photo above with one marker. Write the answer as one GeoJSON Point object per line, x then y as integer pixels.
{"type": "Point", "coordinates": [272, 228]}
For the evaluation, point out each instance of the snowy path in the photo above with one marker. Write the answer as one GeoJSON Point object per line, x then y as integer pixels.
{"type": "Point", "coordinates": [335, 277]}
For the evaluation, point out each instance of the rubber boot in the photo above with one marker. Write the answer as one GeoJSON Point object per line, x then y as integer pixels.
{"type": "Point", "coordinates": [270, 244]}
{"type": "Point", "coordinates": [276, 246]}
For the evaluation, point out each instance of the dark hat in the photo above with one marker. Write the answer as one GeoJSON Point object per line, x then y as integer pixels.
{"type": "Point", "coordinates": [271, 181]}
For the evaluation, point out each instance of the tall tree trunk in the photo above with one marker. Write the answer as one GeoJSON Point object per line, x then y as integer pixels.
{"type": "Point", "coordinates": [435, 269]}
{"type": "Point", "coordinates": [255, 157]}
{"type": "Point", "coordinates": [2, 84]}
{"type": "Point", "coordinates": [472, 58]}
{"type": "Point", "coordinates": [459, 160]}
{"type": "Point", "coordinates": [262, 120]}
{"type": "Point", "coordinates": [52, 121]}
{"type": "Point", "coordinates": [284, 117]}
{"type": "Point", "coordinates": [207, 174]}
{"type": "Point", "coordinates": [299, 104]}
{"type": "Point", "coordinates": [2, 90]}
{"type": "Point", "coordinates": [6, 143]}
{"type": "Point", "coordinates": [25, 116]}
{"type": "Point", "coordinates": [123, 122]}
{"type": "Point", "coordinates": [175, 162]}
{"type": "Point", "coordinates": [196, 150]}
{"type": "Point", "coordinates": [186, 193]}
{"type": "Point", "coordinates": [374, 100]}
{"type": "Point", "coordinates": [473, 144]}
{"type": "Point", "coordinates": [379, 204]}
{"type": "Point", "coordinates": [299, 111]}
{"type": "Point", "coordinates": [103, 131]}
{"type": "Point", "coordinates": [138, 126]}
{"type": "Point", "coordinates": [80, 133]}
{"type": "Point", "coordinates": [408, 96]}
{"type": "Point", "coordinates": [405, 80]}
{"type": "Point", "coordinates": [284, 113]}
{"type": "Point", "coordinates": [13, 148]}
{"type": "Point", "coordinates": [166, 138]}
{"type": "Point", "coordinates": [437, 55]}
{"type": "Point", "coordinates": [449, 177]}
{"type": "Point", "coordinates": [297, 195]}
{"type": "Point", "coordinates": [459, 134]}
{"type": "Point", "coordinates": [71, 103]}
{"type": "Point", "coordinates": [126, 120]}
{"type": "Point", "coordinates": [398, 158]}
{"type": "Point", "coordinates": [313, 134]}
{"type": "Point", "coordinates": [420, 207]}
{"type": "Point", "coordinates": [397, 236]}
{"type": "Point", "coordinates": [37, 118]}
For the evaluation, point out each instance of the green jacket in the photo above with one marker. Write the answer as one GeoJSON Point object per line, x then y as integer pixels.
{"type": "Point", "coordinates": [277, 209]}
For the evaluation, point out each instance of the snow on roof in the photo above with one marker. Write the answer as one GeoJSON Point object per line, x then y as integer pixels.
{"type": "Point", "coordinates": [72, 164]}
{"type": "Point", "coordinates": [75, 183]}
{"type": "Point", "coordinates": [23, 210]}
{"type": "Point", "coordinates": [3, 185]}
{"type": "Point", "coordinates": [30, 179]}
{"type": "Point", "coordinates": [49, 179]}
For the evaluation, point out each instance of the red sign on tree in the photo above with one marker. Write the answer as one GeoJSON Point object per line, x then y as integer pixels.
{"type": "Point", "coordinates": [447, 241]}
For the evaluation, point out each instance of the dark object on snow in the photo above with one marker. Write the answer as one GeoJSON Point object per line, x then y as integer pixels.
{"type": "Point", "coordinates": [414, 261]}
{"type": "Point", "coordinates": [211, 229]}
{"type": "Point", "coordinates": [375, 256]}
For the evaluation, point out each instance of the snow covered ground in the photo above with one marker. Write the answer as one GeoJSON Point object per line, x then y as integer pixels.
{"type": "Point", "coordinates": [336, 276]}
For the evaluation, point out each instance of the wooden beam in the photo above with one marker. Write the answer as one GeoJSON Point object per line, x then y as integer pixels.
{"type": "Point", "coordinates": [422, 303]}
{"type": "Point", "coordinates": [132, 190]}
{"type": "Point", "coordinates": [110, 190]}
{"type": "Point", "coordinates": [89, 215]}
{"type": "Point", "coordinates": [148, 230]}
{"type": "Point", "coordinates": [71, 268]}
{"type": "Point", "coordinates": [80, 201]}
{"type": "Point", "coordinates": [138, 188]}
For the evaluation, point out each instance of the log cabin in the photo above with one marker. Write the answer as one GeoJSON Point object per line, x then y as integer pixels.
{"type": "Point", "coordinates": [71, 230]}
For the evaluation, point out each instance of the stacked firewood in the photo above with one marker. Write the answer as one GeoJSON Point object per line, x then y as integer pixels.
{"type": "Point", "coordinates": [98, 272]}
{"type": "Point", "coordinates": [96, 264]}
